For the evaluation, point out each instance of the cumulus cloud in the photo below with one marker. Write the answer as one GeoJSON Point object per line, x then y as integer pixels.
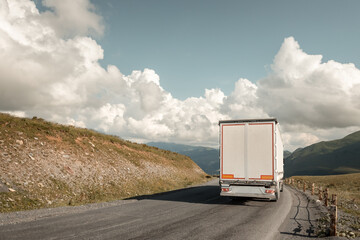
{"type": "Point", "coordinates": [69, 18]}
{"type": "Point", "coordinates": [243, 101]}
{"type": "Point", "coordinates": [314, 100]}
{"type": "Point", "coordinates": [52, 71]}
{"type": "Point", "coordinates": [59, 78]}
{"type": "Point", "coordinates": [301, 90]}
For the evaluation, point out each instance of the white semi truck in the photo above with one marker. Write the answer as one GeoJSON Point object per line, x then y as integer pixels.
{"type": "Point", "coordinates": [251, 158]}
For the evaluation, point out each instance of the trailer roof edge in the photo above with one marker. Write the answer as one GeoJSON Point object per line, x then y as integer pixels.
{"type": "Point", "coordinates": [249, 120]}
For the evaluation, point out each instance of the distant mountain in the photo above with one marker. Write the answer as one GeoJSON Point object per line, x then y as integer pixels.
{"type": "Point", "coordinates": [326, 158]}
{"type": "Point", "coordinates": [206, 158]}
{"type": "Point", "coordinates": [286, 153]}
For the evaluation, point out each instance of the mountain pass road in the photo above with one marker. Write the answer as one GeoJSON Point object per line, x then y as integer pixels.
{"type": "Point", "coordinates": [192, 213]}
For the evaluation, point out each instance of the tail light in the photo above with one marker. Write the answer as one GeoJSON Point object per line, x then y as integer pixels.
{"type": "Point", "coordinates": [270, 191]}
{"type": "Point", "coordinates": [225, 189]}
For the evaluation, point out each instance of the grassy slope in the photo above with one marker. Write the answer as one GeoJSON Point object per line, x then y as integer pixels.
{"type": "Point", "coordinates": [51, 165]}
{"type": "Point", "coordinates": [334, 157]}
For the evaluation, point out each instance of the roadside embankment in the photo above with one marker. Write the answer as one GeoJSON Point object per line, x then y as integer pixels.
{"type": "Point", "coordinates": [50, 165]}
{"type": "Point", "coordinates": [341, 191]}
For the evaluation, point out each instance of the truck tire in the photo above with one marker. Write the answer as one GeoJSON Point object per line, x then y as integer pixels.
{"type": "Point", "coordinates": [277, 193]}
{"type": "Point", "coordinates": [282, 187]}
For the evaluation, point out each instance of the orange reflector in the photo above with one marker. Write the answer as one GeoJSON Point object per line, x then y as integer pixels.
{"type": "Point", "coordinates": [225, 189]}
{"type": "Point", "coordinates": [269, 191]}
{"type": "Point", "coordinates": [266, 177]}
{"type": "Point", "coordinates": [228, 176]}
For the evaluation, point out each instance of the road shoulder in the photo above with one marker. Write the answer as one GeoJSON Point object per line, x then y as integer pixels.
{"type": "Point", "coordinates": [302, 220]}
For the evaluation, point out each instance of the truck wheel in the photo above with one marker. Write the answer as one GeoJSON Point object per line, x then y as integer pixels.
{"type": "Point", "coordinates": [277, 194]}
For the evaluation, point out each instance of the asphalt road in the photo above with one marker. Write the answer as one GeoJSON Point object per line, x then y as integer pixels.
{"type": "Point", "coordinates": [192, 213]}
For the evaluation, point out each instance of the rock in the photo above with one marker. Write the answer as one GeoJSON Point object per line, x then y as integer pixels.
{"type": "Point", "coordinates": [66, 156]}
{"type": "Point", "coordinates": [19, 142]}
{"type": "Point", "coordinates": [40, 185]}
{"type": "Point", "coordinates": [91, 144]}
{"type": "Point", "coordinates": [31, 157]}
{"type": "Point", "coordinates": [12, 190]}
{"type": "Point", "coordinates": [36, 138]}
{"type": "Point", "coordinates": [342, 234]}
{"type": "Point", "coordinates": [69, 170]}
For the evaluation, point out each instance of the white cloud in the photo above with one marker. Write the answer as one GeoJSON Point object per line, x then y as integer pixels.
{"type": "Point", "coordinates": [52, 71]}
{"type": "Point", "coordinates": [242, 102]}
{"type": "Point", "coordinates": [303, 90]}
{"type": "Point", "coordinates": [69, 18]}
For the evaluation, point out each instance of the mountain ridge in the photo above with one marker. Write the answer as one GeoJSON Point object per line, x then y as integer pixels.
{"type": "Point", "coordinates": [205, 157]}
{"type": "Point", "coordinates": [340, 156]}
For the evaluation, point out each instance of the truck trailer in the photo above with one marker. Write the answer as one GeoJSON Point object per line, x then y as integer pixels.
{"type": "Point", "coordinates": [251, 158]}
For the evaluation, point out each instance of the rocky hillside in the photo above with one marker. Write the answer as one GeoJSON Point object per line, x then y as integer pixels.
{"type": "Point", "coordinates": [341, 156]}
{"type": "Point", "coordinates": [47, 165]}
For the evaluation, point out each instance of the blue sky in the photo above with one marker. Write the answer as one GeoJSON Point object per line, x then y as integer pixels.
{"type": "Point", "coordinates": [195, 45]}
{"type": "Point", "coordinates": [170, 70]}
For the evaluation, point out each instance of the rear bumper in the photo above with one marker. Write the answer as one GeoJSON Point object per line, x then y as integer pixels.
{"type": "Point", "coordinates": [247, 191]}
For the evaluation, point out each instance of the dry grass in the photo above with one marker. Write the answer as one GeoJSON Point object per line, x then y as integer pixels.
{"type": "Point", "coordinates": [347, 188]}
{"type": "Point", "coordinates": [50, 165]}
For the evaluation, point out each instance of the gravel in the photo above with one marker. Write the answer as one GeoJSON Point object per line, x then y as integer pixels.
{"type": "Point", "coordinates": [32, 215]}
{"type": "Point", "coordinates": [344, 230]}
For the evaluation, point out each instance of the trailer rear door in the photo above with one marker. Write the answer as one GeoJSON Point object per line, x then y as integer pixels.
{"type": "Point", "coordinates": [247, 151]}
